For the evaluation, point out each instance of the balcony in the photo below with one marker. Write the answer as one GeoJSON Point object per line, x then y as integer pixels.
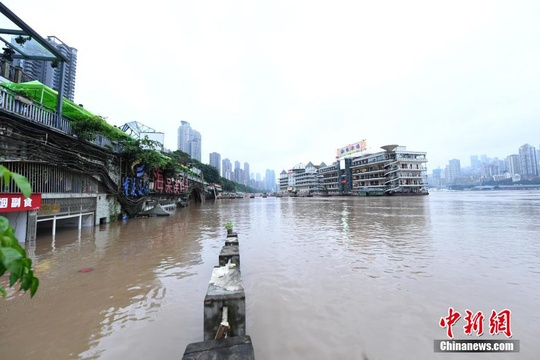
{"type": "Point", "coordinates": [392, 170]}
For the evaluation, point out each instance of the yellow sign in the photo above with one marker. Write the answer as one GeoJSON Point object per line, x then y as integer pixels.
{"type": "Point", "coordinates": [351, 149]}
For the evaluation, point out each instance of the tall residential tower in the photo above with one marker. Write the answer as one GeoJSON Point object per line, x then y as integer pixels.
{"type": "Point", "coordinates": [189, 141]}
{"type": "Point", "coordinates": [215, 161]}
{"type": "Point", "coordinates": [48, 73]}
{"type": "Point", "coordinates": [529, 165]}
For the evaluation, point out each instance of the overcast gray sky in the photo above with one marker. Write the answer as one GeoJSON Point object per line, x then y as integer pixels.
{"type": "Point", "coordinates": [277, 83]}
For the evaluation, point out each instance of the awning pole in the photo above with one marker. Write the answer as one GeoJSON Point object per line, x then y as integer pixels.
{"type": "Point", "coordinates": [60, 94]}
{"type": "Point", "coordinates": [54, 225]}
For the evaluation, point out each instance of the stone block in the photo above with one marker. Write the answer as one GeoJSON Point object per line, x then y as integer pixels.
{"type": "Point", "coordinates": [231, 241]}
{"type": "Point", "coordinates": [225, 290]}
{"type": "Point", "coordinates": [230, 252]}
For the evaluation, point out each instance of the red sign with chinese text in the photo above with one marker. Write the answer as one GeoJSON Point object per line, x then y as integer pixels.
{"type": "Point", "coordinates": [17, 202]}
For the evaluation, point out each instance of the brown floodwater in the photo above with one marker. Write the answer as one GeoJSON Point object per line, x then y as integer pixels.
{"type": "Point", "coordinates": [325, 278]}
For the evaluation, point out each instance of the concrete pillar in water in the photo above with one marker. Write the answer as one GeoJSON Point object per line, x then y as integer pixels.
{"type": "Point", "coordinates": [231, 240]}
{"type": "Point", "coordinates": [232, 253]}
{"type": "Point", "coordinates": [225, 290]}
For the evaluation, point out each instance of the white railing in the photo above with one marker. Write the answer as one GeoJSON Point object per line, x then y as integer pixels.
{"type": "Point", "coordinates": [28, 109]}
{"type": "Point", "coordinates": [38, 113]}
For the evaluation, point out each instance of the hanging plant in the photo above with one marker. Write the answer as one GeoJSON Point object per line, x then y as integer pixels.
{"type": "Point", "coordinates": [8, 54]}
{"type": "Point", "coordinates": [21, 40]}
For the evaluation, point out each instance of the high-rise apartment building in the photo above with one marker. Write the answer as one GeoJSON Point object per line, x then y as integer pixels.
{"type": "Point", "coordinates": [184, 134]}
{"type": "Point", "coordinates": [513, 164]}
{"type": "Point", "coordinates": [475, 162]}
{"type": "Point", "coordinates": [528, 162]}
{"type": "Point", "coordinates": [227, 170]}
{"type": "Point", "coordinates": [238, 175]}
{"type": "Point", "coordinates": [246, 174]}
{"type": "Point", "coordinates": [270, 180]}
{"type": "Point", "coordinates": [453, 171]}
{"type": "Point", "coordinates": [215, 161]}
{"type": "Point", "coordinates": [196, 146]}
{"type": "Point", "coordinates": [501, 164]}
{"type": "Point", "coordinates": [492, 169]}
{"type": "Point", "coordinates": [436, 179]}
{"type": "Point", "coordinates": [48, 73]}
{"type": "Point", "coordinates": [189, 140]}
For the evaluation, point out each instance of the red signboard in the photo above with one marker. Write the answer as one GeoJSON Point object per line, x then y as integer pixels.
{"type": "Point", "coordinates": [17, 202]}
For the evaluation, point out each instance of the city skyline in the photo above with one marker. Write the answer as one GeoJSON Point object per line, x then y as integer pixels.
{"type": "Point", "coordinates": [515, 167]}
{"type": "Point", "coordinates": [484, 158]}
{"type": "Point", "coordinates": [487, 159]}
{"type": "Point", "coordinates": [274, 85]}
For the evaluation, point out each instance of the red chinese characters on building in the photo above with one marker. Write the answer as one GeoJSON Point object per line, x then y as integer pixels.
{"type": "Point", "coordinates": [500, 323]}
{"type": "Point", "coordinates": [17, 202]}
{"type": "Point", "coordinates": [169, 186]}
{"type": "Point", "coordinates": [474, 323]}
{"type": "Point", "coordinates": [184, 185]}
{"type": "Point", "coordinates": [449, 321]}
{"type": "Point", "coordinates": [158, 180]}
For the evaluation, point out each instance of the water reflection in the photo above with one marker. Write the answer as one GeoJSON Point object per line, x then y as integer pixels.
{"type": "Point", "coordinates": [324, 277]}
{"type": "Point", "coordinates": [130, 262]}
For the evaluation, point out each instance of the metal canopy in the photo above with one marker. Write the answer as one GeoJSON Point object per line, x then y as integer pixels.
{"type": "Point", "coordinates": [22, 42]}
{"type": "Point", "coordinates": [135, 128]}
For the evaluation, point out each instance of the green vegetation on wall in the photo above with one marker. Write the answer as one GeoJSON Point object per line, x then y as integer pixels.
{"type": "Point", "coordinates": [88, 128]}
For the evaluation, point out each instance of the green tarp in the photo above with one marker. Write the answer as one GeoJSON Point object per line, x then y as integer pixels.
{"type": "Point", "coordinates": [48, 97]}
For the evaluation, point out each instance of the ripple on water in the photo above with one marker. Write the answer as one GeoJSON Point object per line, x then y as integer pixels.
{"type": "Point", "coordinates": [324, 278]}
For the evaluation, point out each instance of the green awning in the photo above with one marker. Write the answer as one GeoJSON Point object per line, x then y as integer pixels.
{"type": "Point", "coordinates": [48, 97]}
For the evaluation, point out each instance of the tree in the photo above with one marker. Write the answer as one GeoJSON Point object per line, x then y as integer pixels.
{"type": "Point", "coordinates": [12, 256]}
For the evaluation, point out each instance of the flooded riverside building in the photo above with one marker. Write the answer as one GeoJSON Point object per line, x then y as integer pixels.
{"type": "Point", "coordinates": [30, 147]}
{"type": "Point", "coordinates": [79, 177]}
